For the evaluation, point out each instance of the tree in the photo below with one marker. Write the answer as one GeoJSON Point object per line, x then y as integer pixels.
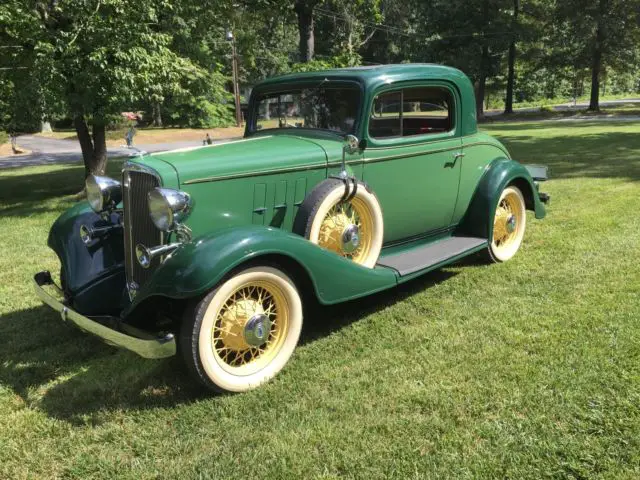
{"type": "Point", "coordinates": [304, 12]}
{"type": "Point", "coordinates": [594, 35]}
{"type": "Point", "coordinates": [508, 104]}
{"type": "Point", "coordinates": [471, 35]}
{"type": "Point", "coordinates": [100, 57]}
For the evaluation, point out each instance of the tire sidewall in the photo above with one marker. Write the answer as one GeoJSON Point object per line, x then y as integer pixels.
{"type": "Point", "coordinates": [333, 197]}
{"type": "Point", "coordinates": [210, 365]}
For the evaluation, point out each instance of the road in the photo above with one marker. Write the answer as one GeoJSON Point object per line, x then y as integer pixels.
{"type": "Point", "coordinates": [568, 106]}
{"type": "Point", "coordinates": [48, 151]}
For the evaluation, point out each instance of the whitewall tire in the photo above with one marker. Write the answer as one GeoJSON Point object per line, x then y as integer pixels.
{"type": "Point", "coordinates": [244, 331]}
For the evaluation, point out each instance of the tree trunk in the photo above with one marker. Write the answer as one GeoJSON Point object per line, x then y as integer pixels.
{"type": "Point", "coordinates": [508, 105]}
{"type": "Point", "coordinates": [98, 164]}
{"type": "Point", "coordinates": [86, 145]}
{"type": "Point", "coordinates": [482, 81]}
{"type": "Point", "coordinates": [304, 11]}
{"type": "Point", "coordinates": [596, 59]}
{"type": "Point", "coordinates": [484, 65]}
{"type": "Point", "coordinates": [157, 114]}
{"type": "Point", "coordinates": [94, 150]}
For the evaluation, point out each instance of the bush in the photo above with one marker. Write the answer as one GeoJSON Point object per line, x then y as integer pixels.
{"type": "Point", "coordinates": [4, 137]}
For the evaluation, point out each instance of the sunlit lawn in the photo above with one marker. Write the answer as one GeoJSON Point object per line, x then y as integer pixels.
{"type": "Point", "coordinates": [155, 135]}
{"type": "Point", "coordinates": [529, 369]}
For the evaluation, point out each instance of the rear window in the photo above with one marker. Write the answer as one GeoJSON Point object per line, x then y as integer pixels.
{"type": "Point", "coordinates": [412, 111]}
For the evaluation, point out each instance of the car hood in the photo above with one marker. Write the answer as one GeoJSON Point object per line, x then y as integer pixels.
{"type": "Point", "coordinates": [255, 155]}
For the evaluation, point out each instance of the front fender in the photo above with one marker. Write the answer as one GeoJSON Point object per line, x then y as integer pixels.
{"type": "Point", "coordinates": [93, 274]}
{"type": "Point", "coordinates": [196, 267]}
{"type": "Point", "coordinates": [499, 174]}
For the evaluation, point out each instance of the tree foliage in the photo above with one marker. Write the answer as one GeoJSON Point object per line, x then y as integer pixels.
{"type": "Point", "coordinates": [91, 59]}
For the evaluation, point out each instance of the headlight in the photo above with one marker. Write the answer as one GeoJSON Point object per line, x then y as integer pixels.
{"type": "Point", "coordinates": [168, 207]}
{"type": "Point", "coordinates": [103, 193]}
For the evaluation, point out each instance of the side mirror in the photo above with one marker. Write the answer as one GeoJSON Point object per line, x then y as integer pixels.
{"type": "Point", "coordinates": [351, 144]}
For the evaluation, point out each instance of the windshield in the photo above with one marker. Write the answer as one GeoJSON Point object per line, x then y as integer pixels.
{"type": "Point", "coordinates": [326, 108]}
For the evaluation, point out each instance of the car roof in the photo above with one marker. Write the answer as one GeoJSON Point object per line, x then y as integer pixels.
{"type": "Point", "coordinates": [372, 75]}
{"type": "Point", "coordinates": [375, 76]}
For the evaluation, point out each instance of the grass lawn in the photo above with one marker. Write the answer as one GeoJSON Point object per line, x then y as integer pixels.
{"type": "Point", "coordinates": [528, 369]}
{"type": "Point", "coordinates": [618, 110]}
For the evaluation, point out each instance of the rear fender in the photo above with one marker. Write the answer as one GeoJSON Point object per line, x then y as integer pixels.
{"type": "Point", "coordinates": [499, 174]}
{"type": "Point", "coordinates": [197, 267]}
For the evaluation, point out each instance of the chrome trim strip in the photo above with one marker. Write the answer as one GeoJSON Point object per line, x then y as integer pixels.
{"type": "Point", "coordinates": [300, 168]}
{"type": "Point", "coordinates": [147, 348]}
{"type": "Point", "coordinates": [315, 166]}
{"type": "Point", "coordinates": [137, 167]}
{"type": "Point", "coordinates": [220, 142]}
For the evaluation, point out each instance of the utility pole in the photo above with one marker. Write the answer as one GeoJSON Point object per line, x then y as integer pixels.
{"type": "Point", "coordinates": [234, 68]}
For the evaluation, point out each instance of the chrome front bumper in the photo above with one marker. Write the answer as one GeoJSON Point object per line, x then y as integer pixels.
{"type": "Point", "coordinates": [145, 347]}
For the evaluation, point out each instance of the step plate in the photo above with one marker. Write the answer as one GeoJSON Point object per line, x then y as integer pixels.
{"type": "Point", "coordinates": [430, 255]}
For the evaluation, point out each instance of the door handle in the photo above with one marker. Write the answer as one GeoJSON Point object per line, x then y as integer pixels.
{"type": "Point", "coordinates": [455, 159]}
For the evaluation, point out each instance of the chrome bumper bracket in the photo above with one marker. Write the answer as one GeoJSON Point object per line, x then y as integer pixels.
{"type": "Point", "coordinates": [145, 347]}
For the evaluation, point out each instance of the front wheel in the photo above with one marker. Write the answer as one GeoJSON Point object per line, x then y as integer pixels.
{"type": "Point", "coordinates": [509, 223]}
{"type": "Point", "coordinates": [244, 331]}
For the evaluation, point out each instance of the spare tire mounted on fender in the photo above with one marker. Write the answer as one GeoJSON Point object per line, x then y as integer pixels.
{"type": "Point", "coordinates": [345, 217]}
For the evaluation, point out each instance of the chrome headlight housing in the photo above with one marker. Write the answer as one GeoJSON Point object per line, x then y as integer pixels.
{"type": "Point", "coordinates": [103, 193]}
{"type": "Point", "coordinates": [168, 207]}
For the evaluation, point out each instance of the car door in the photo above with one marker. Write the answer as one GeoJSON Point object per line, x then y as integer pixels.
{"type": "Point", "coordinates": [412, 159]}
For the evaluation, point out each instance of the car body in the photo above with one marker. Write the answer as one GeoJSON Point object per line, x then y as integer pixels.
{"type": "Point", "coordinates": [347, 182]}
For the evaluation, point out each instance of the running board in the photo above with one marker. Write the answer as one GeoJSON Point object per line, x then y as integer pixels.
{"type": "Point", "coordinates": [432, 254]}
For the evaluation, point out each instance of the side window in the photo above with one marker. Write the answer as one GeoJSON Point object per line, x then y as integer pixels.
{"type": "Point", "coordinates": [412, 111]}
{"type": "Point", "coordinates": [386, 121]}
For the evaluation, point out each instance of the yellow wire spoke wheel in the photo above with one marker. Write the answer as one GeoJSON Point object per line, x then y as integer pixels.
{"type": "Point", "coordinates": [245, 331]}
{"type": "Point", "coordinates": [248, 329]}
{"type": "Point", "coordinates": [347, 230]}
{"type": "Point", "coordinates": [352, 228]}
{"type": "Point", "coordinates": [509, 223]}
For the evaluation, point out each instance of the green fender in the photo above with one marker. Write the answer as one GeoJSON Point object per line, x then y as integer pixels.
{"type": "Point", "coordinates": [500, 173]}
{"type": "Point", "coordinates": [196, 267]}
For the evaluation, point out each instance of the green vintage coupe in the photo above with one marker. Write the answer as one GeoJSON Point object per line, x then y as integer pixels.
{"type": "Point", "coordinates": [347, 182]}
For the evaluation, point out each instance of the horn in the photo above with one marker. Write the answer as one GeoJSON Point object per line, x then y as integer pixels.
{"type": "Point", "coordinates": [146, 255]}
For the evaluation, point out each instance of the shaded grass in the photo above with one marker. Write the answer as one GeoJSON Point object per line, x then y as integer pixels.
{"type": "Point", "coordinates": [547, 113]}
{"type": "Point", "coordinates": [529, 369]}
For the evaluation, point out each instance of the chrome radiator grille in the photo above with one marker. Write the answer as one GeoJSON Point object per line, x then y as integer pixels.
{"type": "Point", "coordinates": [138, 227]}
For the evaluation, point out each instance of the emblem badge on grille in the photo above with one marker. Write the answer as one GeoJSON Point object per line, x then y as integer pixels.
{"type": "Point", "coordinates": [133, 289]}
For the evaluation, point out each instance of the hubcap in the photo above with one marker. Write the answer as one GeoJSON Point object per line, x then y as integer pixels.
{"type": "Point", "coordinates": [511, 224]}
{"type": "Point", "coordinates": [350, 238]}
{"type": "Point", "coordinates": [257, 329]}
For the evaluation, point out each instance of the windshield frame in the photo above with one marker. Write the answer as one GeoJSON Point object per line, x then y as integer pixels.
{"type": "Point", "coordinates": [286, 87]}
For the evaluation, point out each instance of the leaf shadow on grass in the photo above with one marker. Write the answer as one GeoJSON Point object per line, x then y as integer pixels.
{"type": "Point", "coordinates": [77, 378]}
{"type": "Point", "coordinates": [71, 375]}
{"type": "Point", "coordinates": [599, 155]}
{"type": "Point", "coordinates": [30, 193]}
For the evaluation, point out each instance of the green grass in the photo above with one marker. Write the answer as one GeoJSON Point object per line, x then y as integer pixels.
{"type": "Point", "coordinates": [546, 113]}
{"type": "Point", "coordinates": [528, 369]}
{"type": "Point", "coordinates": [497, 103]}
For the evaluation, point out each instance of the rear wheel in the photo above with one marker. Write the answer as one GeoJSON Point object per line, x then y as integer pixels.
{"type": "Point", "coordinates": [509, 223]}
{"type": "Point", "coordinates": [244, 331]}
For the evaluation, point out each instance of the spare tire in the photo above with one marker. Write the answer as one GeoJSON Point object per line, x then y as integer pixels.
{"type": "Point", "coordinates": [343, 216]}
